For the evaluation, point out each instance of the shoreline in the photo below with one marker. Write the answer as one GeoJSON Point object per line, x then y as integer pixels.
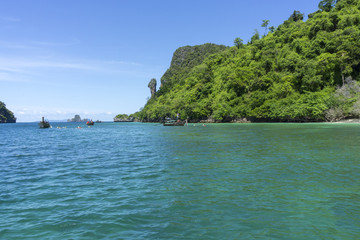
{"type": "Point", "coordinates": [352, 120]}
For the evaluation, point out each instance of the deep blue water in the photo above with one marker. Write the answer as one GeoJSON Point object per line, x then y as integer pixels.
{"type": "Point", "coordinates": [146, 181]}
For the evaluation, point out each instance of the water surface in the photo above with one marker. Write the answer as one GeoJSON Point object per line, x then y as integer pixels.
{"type": "Point", "coordinates": [146, 181]}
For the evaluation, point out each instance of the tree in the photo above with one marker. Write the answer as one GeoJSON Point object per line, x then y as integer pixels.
{"type": "Point", "coordinates": [255, 37]}
{"type": "Point", "coordinates": [265, 25]}
{"type": "Point", "coordinates": [152, 86]}
{"type": "Point", "coordinates": [238, 42]}
{"type": "Point", "coordinates": [121, 118]}
{"type": "Point", "coordinates": [272, 29]}
{"type": "Point", "coordinates": [296, 16]}
{"type": "Point", "coordinates": [345, 101]}
{"type": "Point", "coordinates": [6, 116]}
{"type": "Point", "coordinates": [327, 5]}
{"type": "Point", "coordinates": [345, 65]}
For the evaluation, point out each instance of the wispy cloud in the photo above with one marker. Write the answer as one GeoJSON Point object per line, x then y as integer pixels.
{"type": "Point", "coordinates": [11, 77]}
{"type": "Point", "coordinates": [8, 69]}
{"type": "Point", "coordinates": [12, 45]}
{"type": "Point", "coordinates": [39, 45]}
{"type": "Point", "coordinates": [122, 63]}
{"type": "Point", "coordinates": [16, 64]}
{"type": "Point", "coordinates": [38, 70]}
{"type": "Point", "coordinates": [42, 54]}
{"type": "Point", "coordinates": [71, 42]}
{"type": "Point", "coordinates": [9, 19]}
{"type": "Point", "coordinates": [33, 113]}
{"type": "Point", "coordinates": [41, 62]}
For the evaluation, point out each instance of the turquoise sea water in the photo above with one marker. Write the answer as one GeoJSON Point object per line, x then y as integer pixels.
{"type": "Point", "coordinates": [146, 181]}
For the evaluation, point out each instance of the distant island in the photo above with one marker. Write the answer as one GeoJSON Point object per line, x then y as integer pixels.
{"type": "Point", "coordinates": [6, 116]}
{"type": "Point", "coordinates": [300, 71]}
{"type": "Point", "coordinates": [124, 118]}
{"type": "Point", "coordinates": [77, 118]}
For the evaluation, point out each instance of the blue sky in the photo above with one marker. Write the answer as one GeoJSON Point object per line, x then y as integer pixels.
{"type": "Point", "coordinates": [96, 58]}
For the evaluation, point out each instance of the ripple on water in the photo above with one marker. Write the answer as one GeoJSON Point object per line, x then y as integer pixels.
{"type": "Point", "coordinates": [144, 181]}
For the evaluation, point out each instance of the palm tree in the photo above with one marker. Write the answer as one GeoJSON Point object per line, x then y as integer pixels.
{"type": "Point", "coordinates": [265, 25]}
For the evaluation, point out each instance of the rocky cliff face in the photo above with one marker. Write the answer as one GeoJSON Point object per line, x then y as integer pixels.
{"type": "Point", "coordinates": [184, 59]}
{"type": "Point", "coordinates": [152, 86]}
{"type": "Point", "coordinates": [6, 116]}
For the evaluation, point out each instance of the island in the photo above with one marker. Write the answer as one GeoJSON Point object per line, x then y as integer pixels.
{"type": "Point", "coordinates": [6, 116]}
{"type": "Point", "coordinates": [77, 118]}
{"type": "Point", "coordinates": [124, 118]}
{"type": "Point", "coordinates": [299, 71]}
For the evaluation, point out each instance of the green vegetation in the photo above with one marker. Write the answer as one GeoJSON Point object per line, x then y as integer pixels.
{"type": "Point", "coordinates": [125, 118]}
{"type": "Point", "coordinates": [265, 25]}
{"type": "Point", "coordinates": [6, 116]}
{"type": "Point", "coordinates": [122, 116]}
{"type": "Point", "coordinates": [238, 42]}
{"type": "Point", "coordinates": [299, 71]}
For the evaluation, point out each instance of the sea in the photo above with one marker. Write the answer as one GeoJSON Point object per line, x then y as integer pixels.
{"type": "Point", "coordinates": [147, 181]}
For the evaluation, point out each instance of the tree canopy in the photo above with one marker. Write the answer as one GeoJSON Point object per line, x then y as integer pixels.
{"type": "Point", "coordinates": [238, 42]}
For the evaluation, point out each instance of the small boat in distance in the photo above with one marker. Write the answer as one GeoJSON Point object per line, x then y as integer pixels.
{"type": "Point", "coordinates": [90, 123]}
{"type": "Point", "coordinates": [44, 124]}
{"type": "Point", "coordinates": [174, 123]}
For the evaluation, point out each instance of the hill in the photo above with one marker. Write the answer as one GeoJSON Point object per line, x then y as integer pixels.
{"type": "Point", "coordinates": [299, 71]}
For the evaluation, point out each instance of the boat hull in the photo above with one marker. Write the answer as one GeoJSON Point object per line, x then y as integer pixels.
{"type": "Point", "coordinates": [44, 124]}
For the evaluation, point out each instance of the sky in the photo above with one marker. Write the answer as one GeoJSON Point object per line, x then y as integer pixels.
{"type": "Point", "coordinates": [96, 58]}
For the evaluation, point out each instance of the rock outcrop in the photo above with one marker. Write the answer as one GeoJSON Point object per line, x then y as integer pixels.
{"type": "Point", "coordinates": [152, 86]}
{"type": "Point", "coordinates": [77, 118]}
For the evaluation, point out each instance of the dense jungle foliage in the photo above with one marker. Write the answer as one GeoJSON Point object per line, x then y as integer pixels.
{"type": "Point", "coordinates": [6, 116]}
{"type": "Point", "coordinates": [299, 71]}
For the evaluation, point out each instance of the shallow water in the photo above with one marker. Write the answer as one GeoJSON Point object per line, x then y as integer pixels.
{"type": "Point", "coordinates": [146, 181]}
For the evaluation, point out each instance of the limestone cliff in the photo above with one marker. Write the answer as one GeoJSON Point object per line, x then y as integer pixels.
{"type": "Point", "coordinates": [183, 60]}
{"type": "Point", "coordinates": [152, 86]}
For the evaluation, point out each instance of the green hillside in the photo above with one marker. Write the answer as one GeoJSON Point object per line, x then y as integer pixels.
{"type": "Point", "coordinates": [6, 116]}
{"type": "Point", "coordinates": [300, 71]}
